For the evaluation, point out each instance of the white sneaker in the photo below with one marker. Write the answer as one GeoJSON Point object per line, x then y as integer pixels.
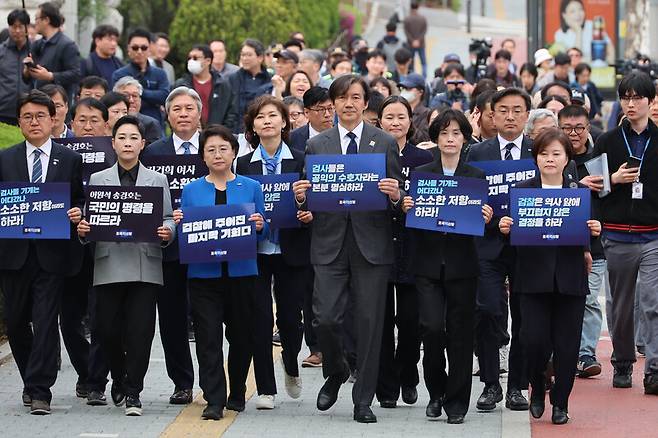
{"type": "Point", "coordinates": [293, 386]}
{"type": "Point", "coordinates": [265, 401]}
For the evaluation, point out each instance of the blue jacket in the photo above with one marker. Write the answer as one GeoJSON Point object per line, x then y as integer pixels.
{"type": "Point", "coordinates": [201, 193]}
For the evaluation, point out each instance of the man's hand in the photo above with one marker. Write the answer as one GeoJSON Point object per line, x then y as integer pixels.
{"type": "Point", "coordinates": [164, 233]}
{"type": "Point", "coordinates": [178, 216]}
{"type": "Point", "coordinates": [83, 228]}
{"type": "Point", "coordinates": [625, 175]}
{"type": "Point", "coordinates": [594, 182]}
{"type": "Point", "coordinates": [505, 224]}
{"type": "Point", "coordinates": [75, 215]}
{"type": "Point", "coordinates": [304, 217]}
{"type": "Point", "coordinates": [390, 187]}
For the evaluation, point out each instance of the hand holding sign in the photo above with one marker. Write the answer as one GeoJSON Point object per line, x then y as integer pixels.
{"type": "Point", "coordinates": [407, 203]}
{"type": "Point", "coordinates": [299, 188]}
{"type": "Point", "coordinates": [83, 228]}
{"type": "Point", "coordinates": [75, 215]}
{"type": "Point", "coordinates": [258, 220]}
{"type": "Point", "coordinates": [594, 227]}
{"type": "Point", "coordinates": [487, 213]}
{"type": "Point", "coordinates": [390, 187]}
{"type": "Point", "coordinates": [505, 224]}
{"type": "Point", "coordinates": [164, 233]}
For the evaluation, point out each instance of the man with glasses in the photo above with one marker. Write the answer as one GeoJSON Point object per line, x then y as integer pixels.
{"type": "Point", "coordinates": [32, 271]}
{"type": "Point", "coordinates": [154, 82]}
{"type": "Point", "coordinates": [132, 90]}
{"type": "Point", "coordinates": [58, 95]}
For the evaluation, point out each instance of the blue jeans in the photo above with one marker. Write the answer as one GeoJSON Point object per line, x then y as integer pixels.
{"type": "Point", "coordinates": [593, 317]}
{"type": "Point", "coordinates": [423, 60]}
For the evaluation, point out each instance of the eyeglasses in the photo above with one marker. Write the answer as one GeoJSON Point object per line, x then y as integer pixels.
{"type": "Point", "coordinates": [28, 118]}
{"type": "Point", "coordinates": [295, 114]}
{"type": "Point", "coordinates": [323, 109]}
{"type": "Point", "coordinates": [219, 151]}
{"type": "Point", "coordinates": [132, 96]}
{"type": "Point", "coordinates": [137, 48]}
{"type": "Point", "coordinates": [569, 129]}
{"type": "Point", "coordinates": [634, 98]}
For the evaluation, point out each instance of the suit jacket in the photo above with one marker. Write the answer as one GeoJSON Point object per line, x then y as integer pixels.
{"type": "Point", "coordinates": [372, 229]}
{"type": "Point", "coordinates": [222, 103]}
{"type": "Point", "coordinates": [431, 249]}
{"type": "Point", "coordinates": [546, 269]}
{"type": "Point", "coordinates": [299, 137]}
{"type": "Point", "coordinates": [119, 262]}
{"type": "Point", "coordinates": [295, 242]}
{"type": "Point", "coordinates": [60, 56]}
{"type": "Point", "coordinates": [62, 257]}
{"type": "Point", "coordinates": [152, 129]}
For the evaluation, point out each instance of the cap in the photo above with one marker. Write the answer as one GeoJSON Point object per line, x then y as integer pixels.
{"type": "Point", "coordinates": [577, 97]}
{"type": "Point", "coordinates": [451, 57]}
{"type": "Point", "coordinates": [562, 59]}
{"type": "Point", "coordinates": [287, 54]}
{"type": "Point", "coordinates": [542, 55]}
{"type": "Point", "coordinates": [413, 80]}
{"type": "Point", "coordinates": [337, 51]}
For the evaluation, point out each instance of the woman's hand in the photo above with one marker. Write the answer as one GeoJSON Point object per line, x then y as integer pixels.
{"type": "Point", "coordinates": [505, 224]}
{"type": "Point", "coordinates": [304, 217]}
{"type": "Point", "coordinates": [164, 233]}
{"type": "Point", "coordinates": [75, 215]}
{"type": "Point", "coordinates": [594, 182]}
{"type": "Point", "coordinates": [487, 213]}
{"type": "Point", "coordinates": [258, 219]}
{"type": "Point", "coordinates": [594, 227]}
{"type": "Point", "coordinates": [83, 228]}
{"type": "Point", "coordinates": [178, 216]}
{"type": "Point", "coordinates": [407, 203]}
{"type": "Point", "coordinates": [299, 189]}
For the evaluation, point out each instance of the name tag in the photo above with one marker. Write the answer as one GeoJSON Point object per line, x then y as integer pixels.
{"type": "Point", "coordinates": [637, 190]}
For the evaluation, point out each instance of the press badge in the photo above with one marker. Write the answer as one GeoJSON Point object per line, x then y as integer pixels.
{"type": "Point", "coordinates": [637, 190]}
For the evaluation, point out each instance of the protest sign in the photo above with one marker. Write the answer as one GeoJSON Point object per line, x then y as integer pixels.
{"type": "Point", "coordinates": [501, 175]}
{"type": "Point", "coordinates": [179, 170]}
{"type": "Point", "coordinates": [280, 207]}
{"type": "Point", "coordinates": [97, 153]}
{"type": "Point", "coordinates": [34, 211]}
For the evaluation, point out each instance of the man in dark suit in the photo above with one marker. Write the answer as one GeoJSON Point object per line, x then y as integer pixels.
{"type": "Point", "coordinates": [352, 253]}
{"type": "Point", "coordinates": [183, 107]}
{"type": "Point", "coordinates": [497, 259]}
{"type": "Point", "coordinates": [32, 271]}
{"type": "Point", "coordinates": [319, 111]}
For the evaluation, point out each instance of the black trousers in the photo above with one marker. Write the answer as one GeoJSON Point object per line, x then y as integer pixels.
{"type": "Point", "coordinates": [33, 295]}
{"type": "Point", "coordinates": [398, 366]}
{"type": "Point", "coordinates": [491, 303]}
{"type": "Point", "coordinates": [214, 302]}
{"type": "Point", "coordinates": [350, 275]}
{"type": "Point", "coordinates": [310, 337]}
{"type": "Point", "coordinates": [172, 312]}
{"type": "Point", "coordinates": [99, 366]}
{"type": "Point", "coordinates": [552, 323]}
{"type": "Point", "coordinates": [125, 320]}
{"type": "Point", "coordinates": [447, 316]}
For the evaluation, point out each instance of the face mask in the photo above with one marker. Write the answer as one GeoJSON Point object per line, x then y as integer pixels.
{"type": "Point", "coordinates": [194, 66]}
{"type": "Point", "coordinates": [409, 95]}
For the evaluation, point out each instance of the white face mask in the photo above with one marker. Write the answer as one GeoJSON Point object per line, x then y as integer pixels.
{"type": "Point", "coordinates": [410, 95]}
{"type": "Point", "coordinates": [194, 66]}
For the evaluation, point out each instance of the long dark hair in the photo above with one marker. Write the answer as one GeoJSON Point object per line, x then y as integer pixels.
{"type": "Point", "coordinates": [563, 7]}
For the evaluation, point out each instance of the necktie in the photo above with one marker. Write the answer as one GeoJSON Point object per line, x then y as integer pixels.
{"type": "Point", "coordinates": [37, 171]}
{"type": "Point", "coordinates": [508, 151]}
{"type": "Point", "coordinates": [352, 147]}
{"type": "Point", "coordinates": [271, 163]}
{"type": "Point", "coordinates": [186, 147]}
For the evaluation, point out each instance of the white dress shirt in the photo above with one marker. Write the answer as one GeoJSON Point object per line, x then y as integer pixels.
{"type": "Point", "coordinates": [345, 139]}
{"type": "Point", "coordinates": [46, 149]}
{"type": "Point", "coordinates": [178, 144]}
{"type": "Point", "coordinates": [311, 132]}
{"type": "Point", "coordinates": [516, 150]}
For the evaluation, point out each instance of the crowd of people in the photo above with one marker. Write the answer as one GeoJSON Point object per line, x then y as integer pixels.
{"type": "Point", "coordinates": [361, 289]}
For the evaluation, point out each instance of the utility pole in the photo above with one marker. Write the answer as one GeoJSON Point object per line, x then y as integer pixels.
{"type": "Point", "coordinates": [468, 16]}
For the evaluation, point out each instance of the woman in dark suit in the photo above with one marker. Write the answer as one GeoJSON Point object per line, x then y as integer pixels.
{"type": "Point", "coordinates": [283, 254]}
{"type": "Point", "coordinates": [552, 283]}
{"type": "Point", "coordinates": [445, 267]}
{"type": "Point", "coordinates": [220, 292]}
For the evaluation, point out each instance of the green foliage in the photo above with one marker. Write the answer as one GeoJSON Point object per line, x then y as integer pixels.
{"type": "Point", "coordinates": [154, 15]}
{"type": "Point", "coordinates": [91, 8]}
{"type": "Point", "coordinates": [266, 20]}
{"type": "Point", "coordinates": [9, 135]}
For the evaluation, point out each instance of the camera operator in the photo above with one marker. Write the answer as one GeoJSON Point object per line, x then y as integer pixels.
{"type": "Point", "coordinates": [457, 90]}
{"type": "Point", "coordinates": [479, 52]}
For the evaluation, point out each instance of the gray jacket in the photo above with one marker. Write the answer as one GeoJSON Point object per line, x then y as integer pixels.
{"type": "Point", "coordinates": [116, 262]}
{"type": "Point", "coordinates": [11, 81]}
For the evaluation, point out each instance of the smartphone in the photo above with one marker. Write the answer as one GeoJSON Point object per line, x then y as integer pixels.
{"type": "Point", "coordinates": [633, 162]}
{"type": "Point", "coordinates": [30, 65]}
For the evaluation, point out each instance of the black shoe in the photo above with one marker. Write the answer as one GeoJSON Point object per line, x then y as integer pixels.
{"type": "Point", "coordinates": [40, 407]}
{"type": "Point", "coordinates": [491, 395]}
{"type": "Point", "coordinates": [433, 410]}
{"type": "Point", "coordinates": [559, 416]}
{"type": "Point", "coordinates": [651, 384]}
{"type": "Point", "coordinates": [515, 401]}
{"type": "Point", "coordinates": [181, 397]}
{"type": "Point", "coordinates": [409, 395]}
{"type": "Point", "coordinates": [116, 392]}
{"type": "Point", "coordinates": [96, 398]}
{"type": "Point", "coordinates": [588, 366]}
{"type": "Point", "coordinates": [235, 405]}
{"type": "Point", "coordinates": [276, 339]}
{"type": "Point", "coordinates": [133, 406]}
{"type": "Point", "coordinates": [623, 377]}
{"type": "Point", "coordinates": [27, 400]}
{"type": "Point", "coordinates": [388, 404]}
{"type": "Point", "coordinates": [363, 414]}
{"type": "Point", "coordinates": [538, 399]}
{"type": "Point", "coordinates": [81, 390]}
{"type": "Point", "coordinates": [455, 419]}
{"type": "Point", "coordinates": [212, 412]}
{"type": "Point", "coordinates": [329, 392]}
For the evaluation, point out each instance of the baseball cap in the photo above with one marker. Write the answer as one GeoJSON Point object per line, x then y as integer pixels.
{"type": "Point", "coordinates": [451, 57]}
{"type": "Point", "coordinates": [413, 80]}
{"type": "Point", "coordinates": [287, 54]}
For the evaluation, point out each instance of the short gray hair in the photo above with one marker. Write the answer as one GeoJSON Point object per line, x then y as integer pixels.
{"type": "Point", "coordinates": [183, 91]}
{"type": "Point", "coordinates": [127, 81]}
{"type": "Point", "coordinates": [537, 115]}
{"type": "Point", "coordinates": [313, 54]}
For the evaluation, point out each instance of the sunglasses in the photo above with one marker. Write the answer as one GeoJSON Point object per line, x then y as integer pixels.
{"type": "Point", "coordinates": [138, 48]}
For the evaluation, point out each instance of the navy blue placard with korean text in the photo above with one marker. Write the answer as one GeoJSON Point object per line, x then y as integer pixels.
{"type": "Point", "coordinates": [546, 217]}
{"type": "Point", "coordinates": [280, 207]}
{"type": "Point", "coordinates": [97, 153]}
{"type": "Point", "coordinates": [123, 214]}
{"type": "Point", "coordinates": [34, 211]}
{"type": "Point", "coordinates": [217, 233]}
{"type": "Point", "coordinates": [346, 182]}
{"type": "Point", "coordinates": [179, 170]}
{"type": "Point", "coordinates": [501, 175]}
{"type": "Point", "coordinates": [446, 203]}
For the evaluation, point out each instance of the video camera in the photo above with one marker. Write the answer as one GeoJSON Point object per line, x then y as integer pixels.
{"type": "Point", "coordinates": [640, 62]}
{"type": "Point", "coordinates": [481, 48]}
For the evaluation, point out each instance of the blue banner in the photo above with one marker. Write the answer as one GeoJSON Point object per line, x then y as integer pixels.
{"type": "Point", "coordinates": [97, 153]}
{"type": "Point", "coordinates": [547, 217]}
{"type": "Point", "coordinates": [217, 233]}
{"type": "Point", "coordinates": [34, 211]}
{"type": "Point", "coordinates": [446, 203]}
{"type": "Point", "coordinates": [179, 170]}
{"type": "Point", "coordinates": [501, 175]}
{"type": "Point", "coordinates": [280, 206]}
{"type": "Point", "coordinates": [346, 182]}
{"type": "Point", "coordinates": [124, 214]}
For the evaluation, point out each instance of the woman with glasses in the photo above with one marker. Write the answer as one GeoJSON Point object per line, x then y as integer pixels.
{"type": "Point", "coordinates": [220, 293]}
{"type": "Point", "coordinates": [296, 115]}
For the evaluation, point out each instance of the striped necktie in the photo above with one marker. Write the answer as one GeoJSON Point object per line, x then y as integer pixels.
{"type": "Point", "coordinates": [37, 170]}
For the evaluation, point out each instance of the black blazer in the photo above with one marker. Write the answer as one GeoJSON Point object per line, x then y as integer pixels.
{"type": "Point", "coordinates": [431, 249]}
{"type": "Point", "coordinates": [63, 257]}
{"type": "Point", "coordinates": [222, 105]}
{"type": "Point", "coordinates": [163, 146]}
{"type": "Point", "coordinates": [295, 242]}
{"type": "Point", "coordinates": [299, 137]}
{"type": "Point", "coordinates": [550, 269]}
